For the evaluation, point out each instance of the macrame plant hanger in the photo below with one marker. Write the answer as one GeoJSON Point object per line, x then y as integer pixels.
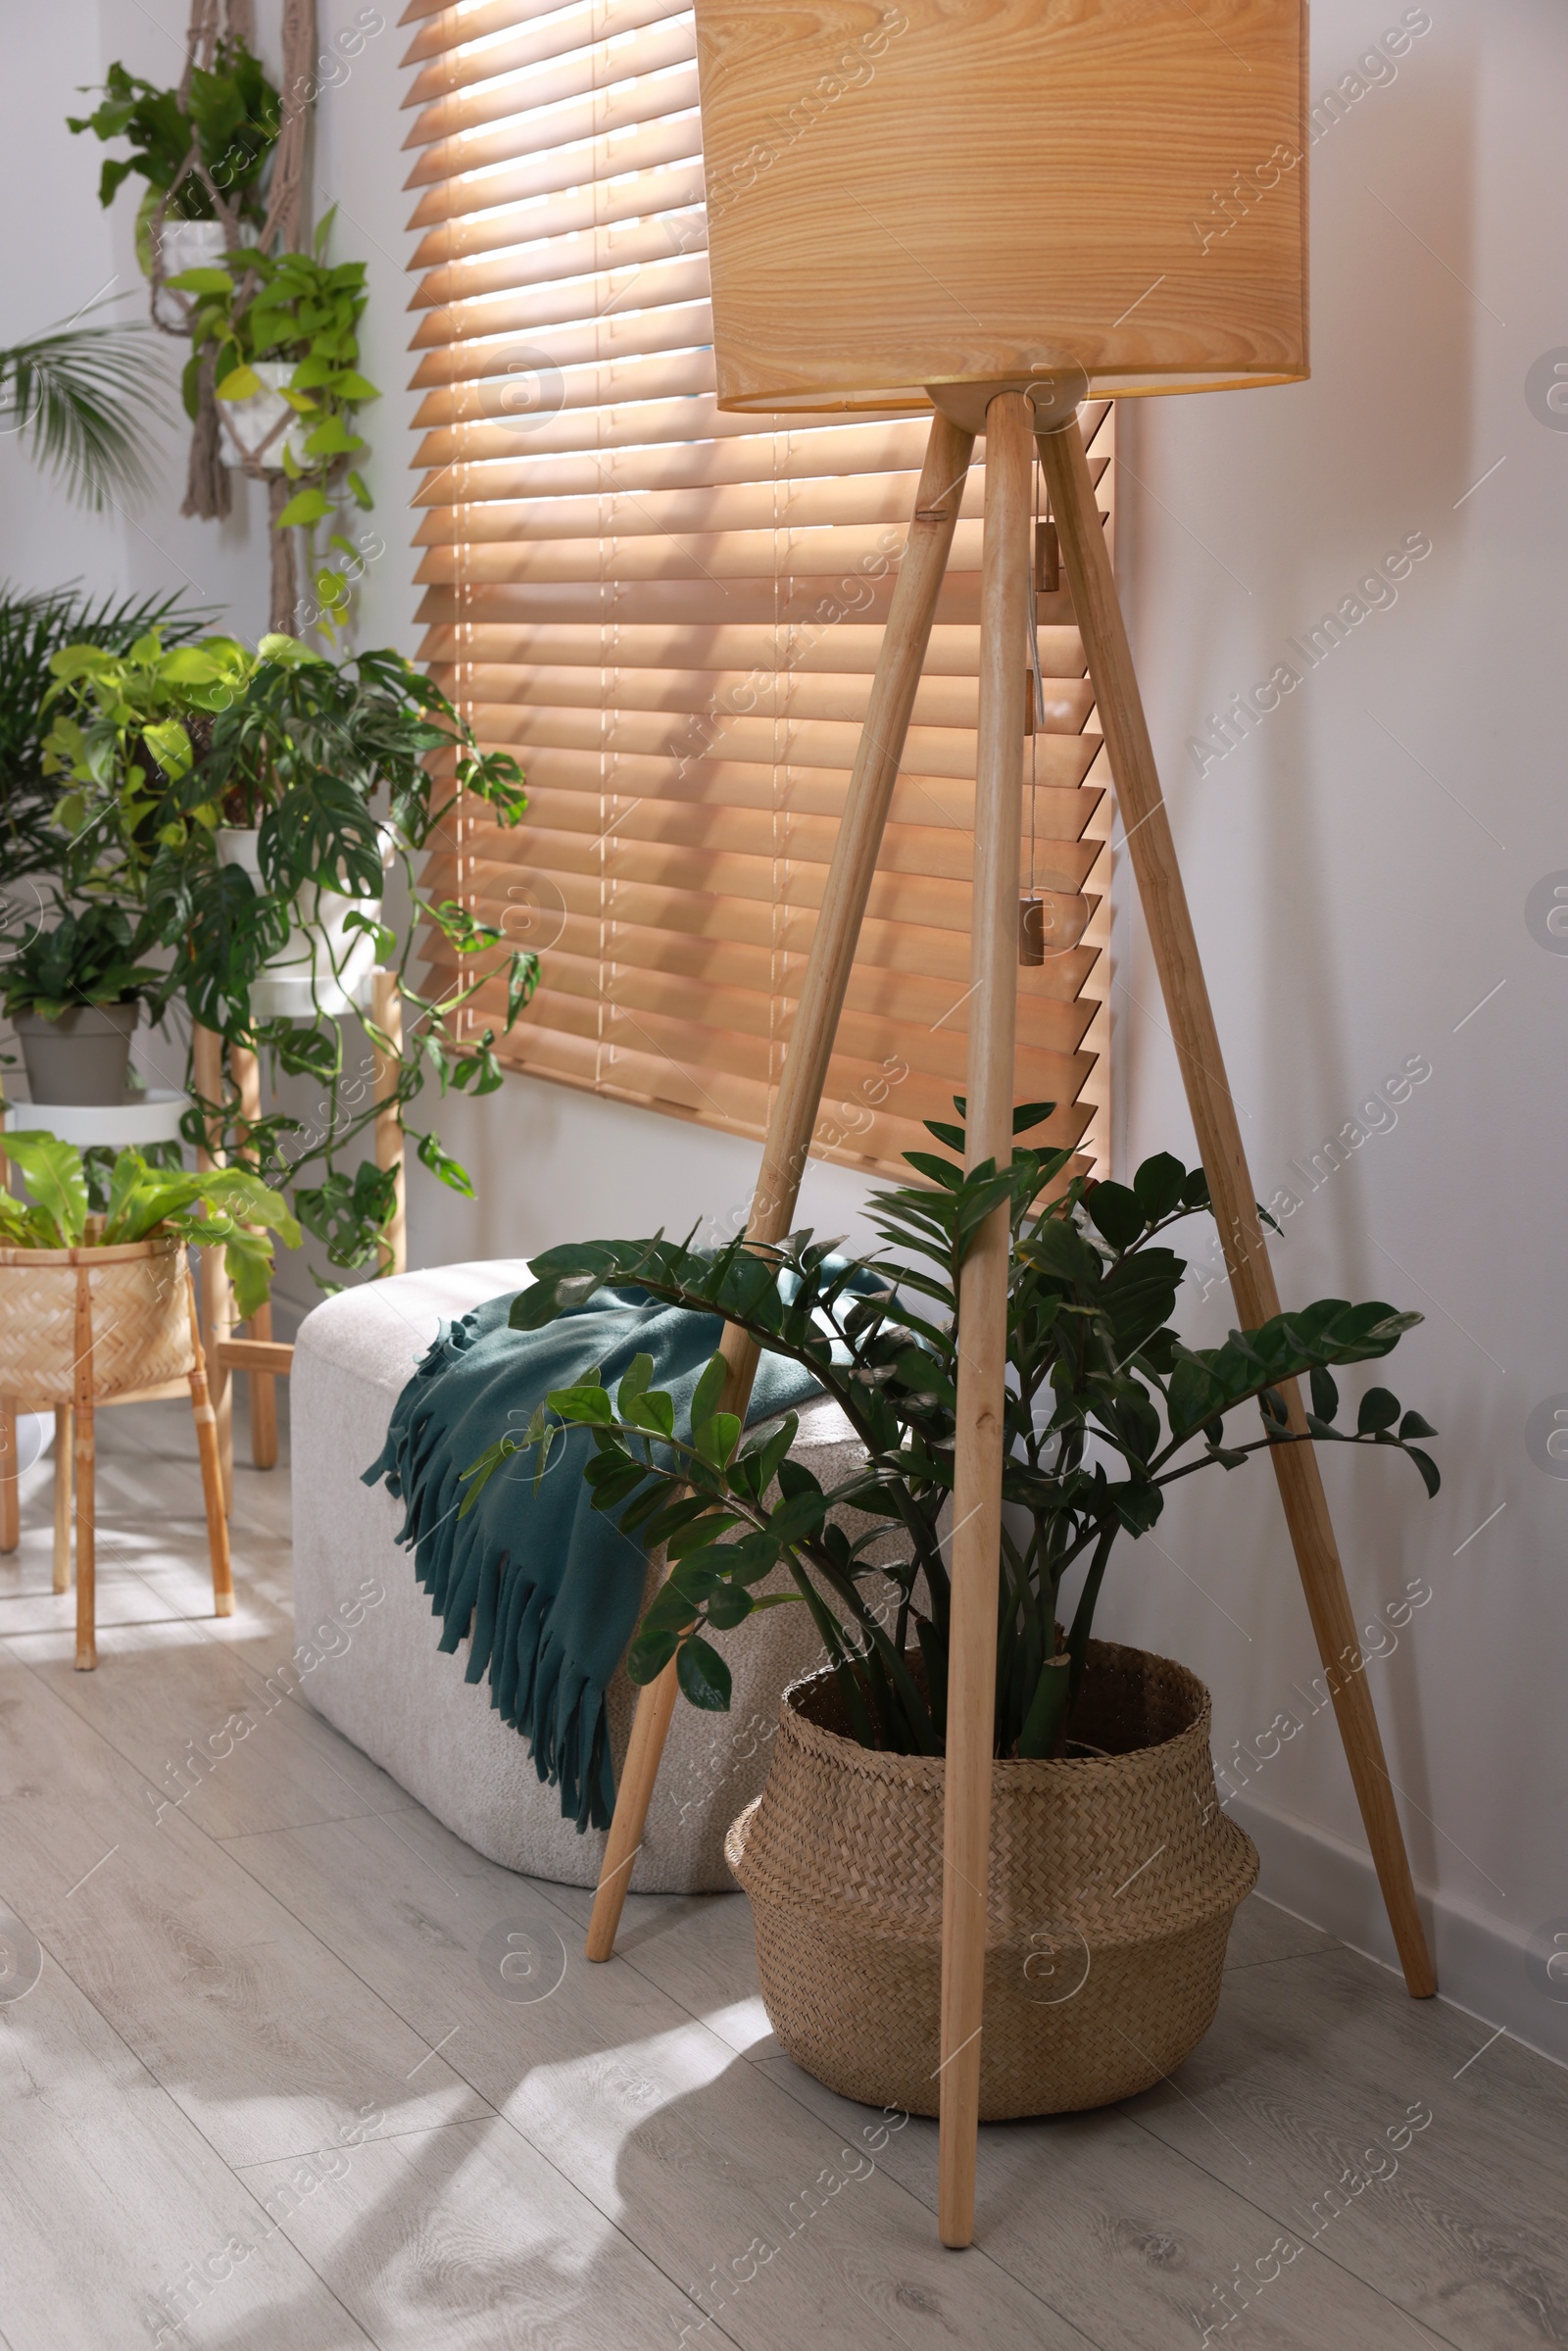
{"type": "Point", "coordinates": [209, 492]}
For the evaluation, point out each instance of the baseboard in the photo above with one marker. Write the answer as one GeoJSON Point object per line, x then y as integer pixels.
{"type": "Point", "coordinates": [1480, 1964]}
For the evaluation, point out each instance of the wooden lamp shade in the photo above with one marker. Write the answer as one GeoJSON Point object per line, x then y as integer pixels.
{"type": "Point", "coordinates": [903, 193]}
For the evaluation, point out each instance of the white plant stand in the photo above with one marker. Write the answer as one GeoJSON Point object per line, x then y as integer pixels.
{"type": "Point", "coordinates": [152, 1118]}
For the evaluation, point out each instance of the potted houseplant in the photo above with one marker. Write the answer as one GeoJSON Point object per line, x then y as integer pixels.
{"type": "Point", "coordinates": [1114, 1872]}
{"type": "Point", "coordinates": [73, 992]}
{"type": "Point", "coordinates": [279, 334]}
{"type": "Point", "coordinates": [155, 1211]}
{"type": "Point", "coordinates": [252, 801]}
{"type": "Point", "coordinates": [98, 1305]}
{"type": "Point", "coordinates": [203, 152]}
{"type": "Point", "coordinates": [33, 627]}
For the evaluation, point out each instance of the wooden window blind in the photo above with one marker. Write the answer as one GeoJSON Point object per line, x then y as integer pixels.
{"type": "Point", "coordinates": [672, 616]}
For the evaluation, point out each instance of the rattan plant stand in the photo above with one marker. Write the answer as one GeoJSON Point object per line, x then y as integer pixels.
{"type": "Point", "coordinates": [91, 1326]}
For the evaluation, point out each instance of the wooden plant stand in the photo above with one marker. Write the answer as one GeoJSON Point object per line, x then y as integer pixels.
{"type": "Point", "coordinates": [142, 1345]}
{"type": "Point", "coordinates": [262, 1359]}
{"type": "Point", "coordinates": [1008, 420]}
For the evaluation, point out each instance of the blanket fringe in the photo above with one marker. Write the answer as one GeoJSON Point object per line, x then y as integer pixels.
{"type": "Point", "coordinates": [484, 1597]}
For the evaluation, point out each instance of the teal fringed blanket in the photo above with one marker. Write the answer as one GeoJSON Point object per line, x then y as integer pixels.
{"type": "Point", "coordinates": [549, 1588]}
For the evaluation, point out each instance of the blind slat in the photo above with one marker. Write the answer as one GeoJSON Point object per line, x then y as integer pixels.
{"type": "Point", "coordinates": [792, 604]}
{"type": "Point", "coordinates": [848, 650]}
{"type": "Point", "coordinates": [567, 797]}
{"type": "Point", "coordinates": [795, 693]}
{"type": "Point", "coordinates": [577, 300]}
{"type": "Point", "coordinates": [935, 753]}
{"type": "Point", "coordinates": [574, 247]}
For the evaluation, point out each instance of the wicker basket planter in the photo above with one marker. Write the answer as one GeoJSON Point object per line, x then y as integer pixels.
{"type": "Point", "coordinates": [141, 1331]}
{"type": "Point", "coordinates": [84, 1327]}
{"type": "Point", "coordinates": [1114, 1878]}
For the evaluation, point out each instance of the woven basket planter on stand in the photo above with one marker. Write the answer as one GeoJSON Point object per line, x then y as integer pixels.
{"type": "Point", "coordinates": [1114, 1876]}
{"type": "Point", "coordinates": [90, 1326]}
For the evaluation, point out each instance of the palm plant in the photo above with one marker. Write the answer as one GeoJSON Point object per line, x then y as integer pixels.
{"type": "Point", "coordinates": [1106, 1409]}
{"type": "Point", "coordinates": [80, 397]}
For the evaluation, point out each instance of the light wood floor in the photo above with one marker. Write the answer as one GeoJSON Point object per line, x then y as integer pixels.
{"type": "Point", "coordinates": [266, 2086]}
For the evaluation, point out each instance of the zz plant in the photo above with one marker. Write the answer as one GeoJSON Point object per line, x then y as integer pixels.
{"type": "Point", "coordinates": [1107, 1408]}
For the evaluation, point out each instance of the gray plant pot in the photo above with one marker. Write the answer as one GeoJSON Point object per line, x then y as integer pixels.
{"type": "Point", "coordinates": [82, 1057]}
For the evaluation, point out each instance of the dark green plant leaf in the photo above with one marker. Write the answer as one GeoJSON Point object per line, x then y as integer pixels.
{"type": "Point", "coordinates": [1379, 1409]}
{"type": "Point", "coordinates": [704, 1677]}
{"type": "Point", "coordinates": [1117, 1213]}
{"type": "Point", "coordinates": [1428, 1468]}
{"type": "Point", "coordinates": [1159, 1185]}
{"type": "Point", "coordinates": [587, 1402]}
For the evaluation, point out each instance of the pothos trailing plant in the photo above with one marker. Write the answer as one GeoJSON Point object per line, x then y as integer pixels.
{"type": "Point", "coordinates": [1106, 1409]}
{"type": "Point", "coordinates": [299, 308]}
{"type": "Point", "coordinates": [218, 133]}
{"type": "Point", "coordinates": [331, 762]}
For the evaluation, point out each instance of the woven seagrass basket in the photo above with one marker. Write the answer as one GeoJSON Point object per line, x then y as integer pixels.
{"type": "Point", "coordinates": [1114, 1876]}
{"type": "Point", "coordinates": [141, 1331]}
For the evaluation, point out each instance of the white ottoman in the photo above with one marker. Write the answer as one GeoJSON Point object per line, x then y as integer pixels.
{"type": "Point", "coordinates": [384, 1683]}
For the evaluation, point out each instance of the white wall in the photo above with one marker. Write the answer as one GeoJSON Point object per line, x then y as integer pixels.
{"type": "Point", "coordinates": [1352, 914]}
{"type": "Point", "coordinates": [1358, 870]}
{"type": "Point", "coordinates": [64, 252]}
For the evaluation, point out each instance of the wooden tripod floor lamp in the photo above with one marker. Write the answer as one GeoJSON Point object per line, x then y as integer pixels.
{"type": "Point", "coordinates": [994, 213]}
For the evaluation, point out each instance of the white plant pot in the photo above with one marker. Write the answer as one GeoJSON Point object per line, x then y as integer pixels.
{"type": "Point", "coordinates": [326, 967]}
{"type": "Point", "coordinates": [259, 428]}
{"type": "Point", "coordinates": [184, 245]}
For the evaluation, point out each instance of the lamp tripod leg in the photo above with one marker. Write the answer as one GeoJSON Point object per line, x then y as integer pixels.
{"type": "Point", "coordinates": [800, 1095]}
{"type": "Point", "coordinates": [975, 1543]}
{"type": "Point", "coordinates": [1219, 1140]}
